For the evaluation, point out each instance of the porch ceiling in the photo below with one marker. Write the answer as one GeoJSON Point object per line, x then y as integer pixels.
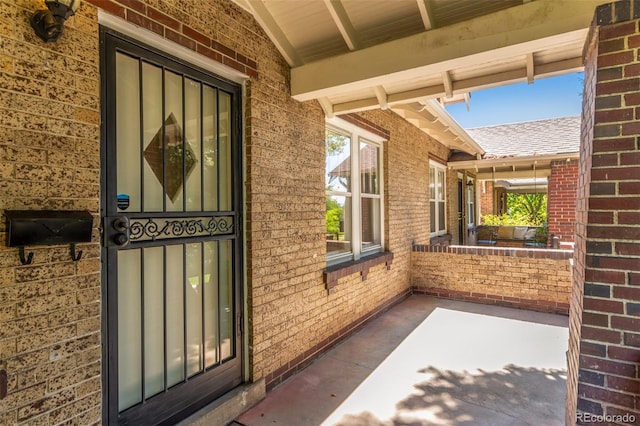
{"type": "Point", "coordinates": [354, 55]}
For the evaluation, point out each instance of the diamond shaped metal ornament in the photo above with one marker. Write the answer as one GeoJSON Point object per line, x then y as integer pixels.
{"type": "Point", "coordinates": [173, 147]}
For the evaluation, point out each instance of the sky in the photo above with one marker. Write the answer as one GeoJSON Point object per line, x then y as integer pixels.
{"type": "Point", "coordinates": [545, 98]}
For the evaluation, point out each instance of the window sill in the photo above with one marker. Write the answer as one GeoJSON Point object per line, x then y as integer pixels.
{"type": "Point", "coordinates": [441, 240]}
{"type": "Point", "coordinates": [333, 273]}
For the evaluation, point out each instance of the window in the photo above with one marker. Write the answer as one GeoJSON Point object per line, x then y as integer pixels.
{"type": "Point", "coordinates": [471, 202]}
{"type": "Point", "coordinates": [354, 204]}
{"type": "Point", "coordinates": [437, 208]}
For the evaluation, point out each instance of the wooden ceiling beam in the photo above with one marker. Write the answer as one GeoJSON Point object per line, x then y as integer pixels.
{"type": "Point", "coordinates": [500, 36]}
{"type": "Point", "coordinates": [426, 14]}
{"type": "Point", "coordinates": [271, 27]}
{"type": "Point", "coordinates": [343, 22]}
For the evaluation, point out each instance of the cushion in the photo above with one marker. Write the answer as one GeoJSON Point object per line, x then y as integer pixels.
{"type": "Point", "coordinates": [519, 231]}
{"type": "Point", "coordinates": [530, 234]}
{"type": "Point", "coordinates": [505, 232]}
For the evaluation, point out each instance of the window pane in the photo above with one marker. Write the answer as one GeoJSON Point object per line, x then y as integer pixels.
{"type": "Point", "coordinates": [173, 142]}
{"type": "Point", "coordinates": [441, 220]}
{"type": "Point", "coordinates": [440, 185]}
{"type": "Point", "coordinates": [370, 220]}
{"type": "Point", "coordinates": [338, 165]}
{"type": "Point", "coordinates": [152, 119]}
{"type": "Point", "coordinates": [432, 215]}
{"type": "Point", "coordinates": [128, 129]}
{"type": "Point", "coordinates": [369, 169]}
{"type": "Point", "coordinates": [338, 224]}
{"type": "Point", "coordinates": [193, 125]}
{"type": "Point", "coordinates": [432, 183]}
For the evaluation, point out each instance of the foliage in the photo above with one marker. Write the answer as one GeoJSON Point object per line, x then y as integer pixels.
{"type": "Point", "coordinates": [334, 142]}
{"type": "Point", "coordinates": [333, 216]}
{"type": "Point", "coordinates": [531, 207]}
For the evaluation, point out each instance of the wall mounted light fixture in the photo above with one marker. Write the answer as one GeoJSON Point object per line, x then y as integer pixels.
{"type": "Point", "coordinates": [48, 24]}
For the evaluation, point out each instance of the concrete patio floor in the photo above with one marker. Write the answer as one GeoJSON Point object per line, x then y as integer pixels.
{"type": "Point", "coordinates": [430, 361]}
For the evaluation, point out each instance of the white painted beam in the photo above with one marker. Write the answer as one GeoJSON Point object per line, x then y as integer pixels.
{"type": "Point", "coordinates": [342, 21]}
{"type": "Point", "coordinates": [425, 14]}
{"type": "Point", "coordinates": [327, 107]}
{"type": "Point", "coordinates": [382, 97]}
{"type": "Point", "coordinates": [531, 72]}
{"type": "Point", "coordinates": [512, 32]}
{"type": "Point", "coordinates": [448, 84]}
{"type": "Point", "coordinates": [520, 174]}
{"type": "Point", "coordinates": [270, 26]}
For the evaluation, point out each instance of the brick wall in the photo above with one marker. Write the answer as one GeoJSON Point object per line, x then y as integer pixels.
{"type": "Point", "coordinates": [296, 318]}
{"type": "Point", "coordinates": [486, 198]}
{"type": "Point", "coordinates": [50, 321]}
{"type": "Point", "coordinates": [533, 279]}
{"type": "Point", "coordinates": [49, 159]}
{"type": "Point", "coordinates": [582, 194]}
{"type": "Point", "coordinates": [561, 199]}
{"type": "Point", "coordinates": [608, 229]}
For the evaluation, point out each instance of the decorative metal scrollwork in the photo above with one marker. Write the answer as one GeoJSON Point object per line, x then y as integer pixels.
{"type": "Point", "coordinates": [152, 229]}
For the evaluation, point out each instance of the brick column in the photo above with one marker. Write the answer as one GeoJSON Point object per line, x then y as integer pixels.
{"type": "Point", "coordinates": [604, 344]}
{"type": "Point", "coordinates": [561, 199]}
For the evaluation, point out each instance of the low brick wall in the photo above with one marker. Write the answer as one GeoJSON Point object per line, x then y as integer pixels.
{"type": "Point", "coordinates": [534, 279]}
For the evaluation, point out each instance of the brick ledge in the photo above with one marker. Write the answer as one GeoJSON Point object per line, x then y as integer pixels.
{"type": "Point", "coordinates": [333, 273]}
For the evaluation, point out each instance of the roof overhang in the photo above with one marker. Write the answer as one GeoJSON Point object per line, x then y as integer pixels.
{"type": "Point", "coordinates": [529, 167]}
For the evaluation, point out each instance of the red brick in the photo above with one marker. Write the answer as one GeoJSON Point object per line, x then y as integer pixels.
{"type": "Point", "coordinates": [162, 18]}
{"type": "Point", "coordinates": [626, 323]}
{"type": "Point", "coordinates": [180, 39]}
{"type": "Point", "coordinates": [616, 173]}
{"type": "Point", "coordinates": [608, 32]}
{"type": "Point", "coordinates": [606, 395]}
{"type": "Point", "coordinates": [613, 262]}
{"type": "Point", "coordinates": [604, 160]}
{"type": "Point", "coordinates": [632, 70]}
{"type": "Point", "coordinates": [631, 99]}
{"type": "Point", "coordinates": [601, 335]}
{"type": "Point", "coordinates": [632, 339]}
{"type": "Point", "coordinates": [600, 276]}
{"type": "Point", "coordinates": [634, 41]}
{"type": "Point", "coordinates": [209, 53]}
{"type": "Point", "coordinates": [135, 5]}
{"type": "Point", "coordinates": [610, 46]}
{"type": "Point", "coordinates": [630, 218]}
{"type": "Point", "coordinates": [608, 366]}
{"type": "Point", "coordinates": [223, 49]}
{"type": "Point", "coordinates": [603, 305]}
{"type": "Point", "coordinates": [590, 348]}
{"type": "Point", "coordinates": [618, 86]}
{"type": "Point", "coordinates": [613, 203]}
{"type": "Point", "coordinates": [599, 320]}
{"type": "Point", "coordinates": [630, 129]}
{"type": "Point", "coordinates": [630, 158]}
{"type": "Point", "coordinates": [612, 59]}
{"type": "Point", "coordinates": [144, 22]}
{"type": "Point", "coordinates": [628, 293]}
{"type": "Point", "coordinates": [634, 279]}
{"type": "Point", "coordinates": [604, 218]}
{"type": "Point", "coordinates": [624, 354]}
{"type": "Point", "coordinates": [612, 145]}
{"type": "Point", "coordinates": [629, 249]}
{"type": "Point", "coordinates": [195, 35]}
{"type": "Point", "coordinates": [613, 115]}
{"type": "Point", "coordinates": [109, 6]}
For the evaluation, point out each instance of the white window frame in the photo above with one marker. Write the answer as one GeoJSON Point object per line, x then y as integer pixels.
{"type": "Point", "coordinates": [471, 203]}
{"type": "Point", "coordinates": [437, 200]}
{"type": "Point", "coordinates": [358, 135]}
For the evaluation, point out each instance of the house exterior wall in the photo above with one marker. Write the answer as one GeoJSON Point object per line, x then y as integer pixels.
{"type": "Point", "coordinates": [561, 199]}
{"type": "Point", "coordinates": [532, 279]}
{"type": "Point", "coordinates": [607, 258]}
{"type": "Point", "coordinates": [50, 311]}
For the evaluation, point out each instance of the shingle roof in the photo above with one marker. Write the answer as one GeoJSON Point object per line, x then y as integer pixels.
{"type": "Point", "coordinates": [540, 137]}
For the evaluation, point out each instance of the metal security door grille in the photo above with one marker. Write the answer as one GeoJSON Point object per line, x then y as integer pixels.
{"type": "Point", "coordinates": [171, 231]}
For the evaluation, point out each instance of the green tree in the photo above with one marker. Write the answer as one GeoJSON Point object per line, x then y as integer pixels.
{"type": "Point", "coordinates": [333, 216]}
{"type": "Point", "coordinates": [532, 208]}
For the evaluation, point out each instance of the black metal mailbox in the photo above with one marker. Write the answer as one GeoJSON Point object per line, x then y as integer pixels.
{"type": "Point", "coordinates": [47, 227]}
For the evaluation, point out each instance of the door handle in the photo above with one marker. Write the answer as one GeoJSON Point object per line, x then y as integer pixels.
{"type": "Point", "coordinates": [119, 232]}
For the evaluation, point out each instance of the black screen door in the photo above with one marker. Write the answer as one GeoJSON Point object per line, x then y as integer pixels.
{"type": "Point", "coordinates": [171, 230]}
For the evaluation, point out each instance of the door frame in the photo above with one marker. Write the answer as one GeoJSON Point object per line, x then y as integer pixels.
{"type": "Point", "coordinates": [109, 324]}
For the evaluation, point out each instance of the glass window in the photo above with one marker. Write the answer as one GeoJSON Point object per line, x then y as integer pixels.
{"type": "Point", "coordinates": [437, 199]}
{"type": "Point", "coordinates": [354, 207]}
